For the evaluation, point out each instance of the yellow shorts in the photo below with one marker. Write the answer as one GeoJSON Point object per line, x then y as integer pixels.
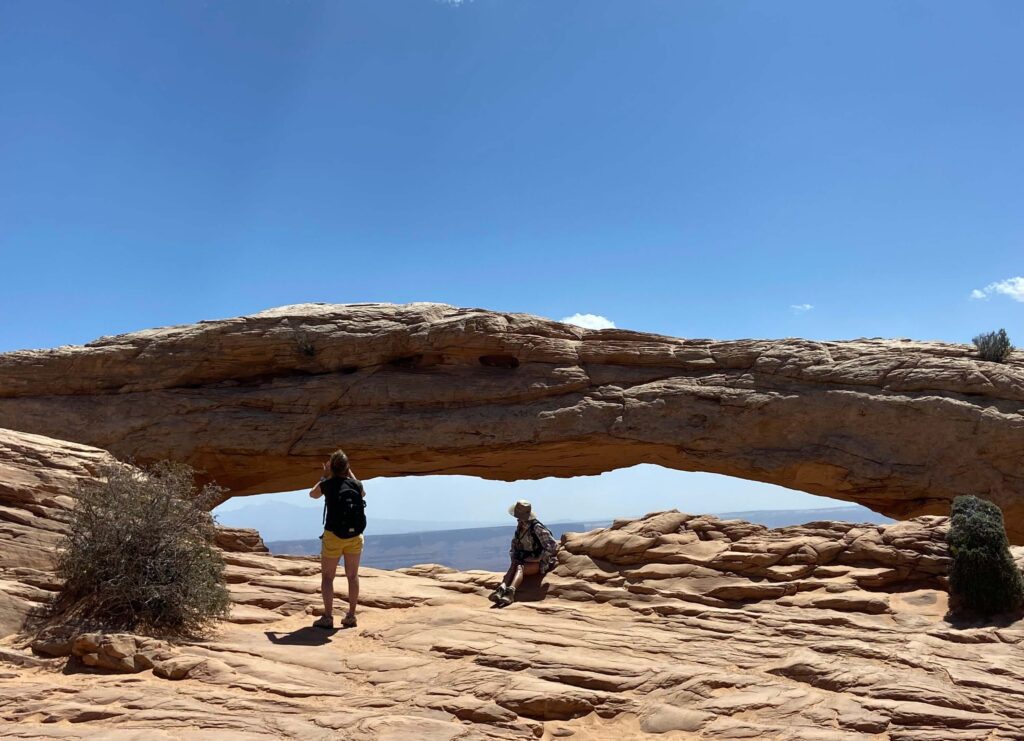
{"type": "Point", "coordinates": [335, 547]}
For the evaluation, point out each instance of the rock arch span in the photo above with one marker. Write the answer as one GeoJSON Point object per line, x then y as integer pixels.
{"type": "Point", "coordinates": [257, 401]}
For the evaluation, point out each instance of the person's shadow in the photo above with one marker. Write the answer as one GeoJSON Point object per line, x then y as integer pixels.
{"type": "Point", "coordinates": [305, 636]}
{"type": "Point", "coordinates": [533, 589]}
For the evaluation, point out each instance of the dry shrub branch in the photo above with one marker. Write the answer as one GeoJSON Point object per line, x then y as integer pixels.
{"type": "Point", "coordinates": [140, 555]}
{"type": "Point", "coordinates": [994, 346]}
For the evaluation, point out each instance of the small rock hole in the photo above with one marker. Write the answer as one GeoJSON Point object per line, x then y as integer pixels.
{"type": "Point", "coordinates": [499, 361]}
{"type": "Point", "coordinates": [416, 362]}
{"type": "Point", "coordinates": [407, 362]}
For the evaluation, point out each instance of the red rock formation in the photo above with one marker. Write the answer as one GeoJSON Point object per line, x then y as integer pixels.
{"type": "Point", "coordinates": [257, 401]}
{"type": "Point", "coordinates": [39, 479]}
{"type": "Point", "coordinates": [707, 628]}
{"type": "Point", "coordinates": [240, 540]}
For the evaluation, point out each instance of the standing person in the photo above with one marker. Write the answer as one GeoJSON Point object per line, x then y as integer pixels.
{"type": "Point", "coordinates": [533, 551]}
{"type": "Point", "coordinates": [344, 523]}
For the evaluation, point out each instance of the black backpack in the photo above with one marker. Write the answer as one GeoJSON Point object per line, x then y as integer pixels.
{"type": "Point", "coordinates": [344, 507]}
{"type": "Point", "coordinates": [521, 555]}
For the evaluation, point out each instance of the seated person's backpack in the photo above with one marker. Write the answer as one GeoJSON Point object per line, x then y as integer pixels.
{"type": "Point", "coordinates": [344, 507]}
{"type": "Point", "coordinates": [539, 549]}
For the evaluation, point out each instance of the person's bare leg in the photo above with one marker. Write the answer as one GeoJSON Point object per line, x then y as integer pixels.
{"type": "Point", "coordinates": [510, 574]}
{"type": "Point", "coordinates": [499, 591]}
{"type": "Point", "coordinates": [352, 574]}
{"type": "Point", "coordinates": [328, 568]}
{"type": "Point", "coordinates": [527, 569]}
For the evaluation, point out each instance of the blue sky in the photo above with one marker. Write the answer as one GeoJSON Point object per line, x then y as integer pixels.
{"type": "Point", "coordinates": [690, 168]}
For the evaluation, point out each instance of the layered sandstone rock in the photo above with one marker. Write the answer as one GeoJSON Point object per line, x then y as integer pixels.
{"type": "Point", "coordinates": [621, 642]}
{"type": "Point", "coordinates": [657, 562]}
{"type": "Point", "coordinates": [683, 626]}
{"type": "Point", "coordinates": [240, 539]}
{"type": "Point", "coordinates": [257, 401]}
{"type": "Point", "coordinates": [39, 478]}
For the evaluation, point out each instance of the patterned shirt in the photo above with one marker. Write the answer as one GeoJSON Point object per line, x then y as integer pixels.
{"type": "Point", "coordinates": [533, 540]}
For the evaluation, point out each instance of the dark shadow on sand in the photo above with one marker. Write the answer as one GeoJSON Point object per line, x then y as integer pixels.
{"type": "Point", "coordinates": [306, 636]}
{"type": "Point", "coordinates": [74, 665]}
{"type": "Point", "coordinates": [962, 620]}
{"type": "Point", "coordinates": [533, 589]}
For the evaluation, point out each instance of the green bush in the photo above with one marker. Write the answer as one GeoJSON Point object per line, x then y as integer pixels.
{"type": "Point", "coordinates": [140, 554]}
{"type": "Point", "coordinates": [304, 343]}
{"type": "Point", "coordinates": [983, 577]}
{"type": "Point", "coordinates": [994, 346]}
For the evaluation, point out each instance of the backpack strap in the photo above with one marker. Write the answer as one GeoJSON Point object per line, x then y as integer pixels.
{"type": "Point", "coordinates": [537, 539]}
{"type": "Point", "coordinates": [322, 481]}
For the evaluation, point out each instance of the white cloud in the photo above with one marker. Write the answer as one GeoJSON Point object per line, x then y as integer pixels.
{"type": "Point", "coordinates": [801, 308]}
{"type": "Point", "coordinates": [1012, 287]}
{"type": "Point", "coordinates": [589, 321]}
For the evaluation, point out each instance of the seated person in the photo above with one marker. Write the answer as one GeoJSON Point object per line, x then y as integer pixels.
{"type": "Point", "coordinates": [534, 551]}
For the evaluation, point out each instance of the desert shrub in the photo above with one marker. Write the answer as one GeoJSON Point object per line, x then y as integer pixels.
{"type": "Point", "coordinates": [994, 346]}
{"type": "Point", "coordinates": [983, 577]}
{"type": "Point", "coordinates": [304, 344]}
{"type": "Point", "coordinates": [140, 554]}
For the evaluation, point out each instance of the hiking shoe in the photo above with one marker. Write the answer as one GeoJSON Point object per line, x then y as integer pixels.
{"type": "Point", "coordinates": [349, 621]}
{"type": "Point", "coordinates": [326, 622]}
{"type": "Point", "coordinates": [508, 596]}
{"type": "Point", "coordinates": [497, 594]}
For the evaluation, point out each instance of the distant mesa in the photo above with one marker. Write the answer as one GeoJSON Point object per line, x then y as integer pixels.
{"type": "Point", "coordinates": [256, 402]}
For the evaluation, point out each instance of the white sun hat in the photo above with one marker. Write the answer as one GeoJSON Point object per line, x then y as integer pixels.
{"type": "Point", "coordinates": [521, 510]}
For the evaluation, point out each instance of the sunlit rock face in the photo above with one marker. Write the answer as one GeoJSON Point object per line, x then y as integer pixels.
{"type": "Point", "coordinates": [257, 401]}
{"type": "Point", "coordinates": [39, 478]}
{"type": "Point", "coordinates": [39, 481]}
{"type": "Point", "coordinates": [673, 623]}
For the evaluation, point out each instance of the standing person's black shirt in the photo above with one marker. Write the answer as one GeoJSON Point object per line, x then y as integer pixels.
{"type": "Point", "coordinates": [344, 506]}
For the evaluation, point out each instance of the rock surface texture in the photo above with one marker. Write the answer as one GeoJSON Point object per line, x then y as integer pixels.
{"type": "Point", "coordinates": [257, 401]}
{"type": "Point", "coordinates": [39, 479]}
{"type": "Point", "coordinates": [670, 626]}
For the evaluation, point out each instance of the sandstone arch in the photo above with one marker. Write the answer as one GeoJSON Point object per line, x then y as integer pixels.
{"type": "Point", "coordinates": [256, 401]}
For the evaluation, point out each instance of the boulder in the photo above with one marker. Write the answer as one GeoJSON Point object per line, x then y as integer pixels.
{"type": "Point", "coordinates": [240, 540]}
{"type": "Point", "coordinates": [120, 652]}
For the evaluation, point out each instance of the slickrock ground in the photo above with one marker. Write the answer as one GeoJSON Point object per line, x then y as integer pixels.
{"type": "Point", "coordinates": [257, 401]}
{"type": "Point", "coordinates": [688, 627]}
{"type": "Point", "coordinates": [664, 638]}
